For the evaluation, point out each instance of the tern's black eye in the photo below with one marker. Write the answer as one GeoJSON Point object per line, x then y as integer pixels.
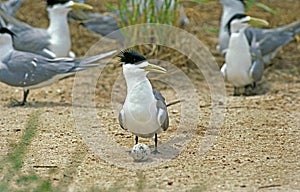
{"type": "Point", "coordinates": [132, 57]}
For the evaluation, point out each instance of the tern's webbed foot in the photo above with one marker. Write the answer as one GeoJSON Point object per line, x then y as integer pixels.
{"type": "Point", "coordinates": [15, 103]}
{"type": "Point", "coordinates": [19, 104]}
{"type": "Point", "coordinates": [250, 90]}
{"type": "Point", "coordinates": [155, 152]}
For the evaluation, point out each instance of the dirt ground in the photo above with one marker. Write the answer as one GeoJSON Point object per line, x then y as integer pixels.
{"type": "Point", "coordinates": [256, 149]}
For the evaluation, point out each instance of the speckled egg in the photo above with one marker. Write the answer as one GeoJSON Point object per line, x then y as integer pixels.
{"type": "Point", "coordinates": [140, 152]}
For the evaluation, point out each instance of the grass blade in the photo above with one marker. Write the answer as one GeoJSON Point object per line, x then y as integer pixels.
{"type": "Point", "coordinates": [267, 8]}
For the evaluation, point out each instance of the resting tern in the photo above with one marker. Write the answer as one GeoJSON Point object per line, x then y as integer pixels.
{"type": "Point", "coordinates": [144, 111]}
{"type": "Point", "coordinates": [52, 42]}
{"type": "Point", "coordinates": [241, 69]}
{"type": "Point", "coordinates": [32, 71]}
{"type": "Point", "coordinates": [270, 40]}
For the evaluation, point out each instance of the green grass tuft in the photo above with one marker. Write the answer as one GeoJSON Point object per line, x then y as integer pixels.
{"type": "Point", "coordinates": [251, 3]}
{"type": "Point", "coordinates": [16, 156]}
{"type": "Point", "coordinates": [11, 165]}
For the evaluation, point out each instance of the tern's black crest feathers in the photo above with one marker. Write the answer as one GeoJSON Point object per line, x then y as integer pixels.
{"type": "Point", "coordinates": [55, 2]}
{"type": "Point", "coordinates": [131, 56]}
{"type": "Point", "coordinates": [4, 30]}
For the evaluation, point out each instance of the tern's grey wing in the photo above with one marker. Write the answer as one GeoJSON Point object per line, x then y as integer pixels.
{"type": "Point", "coordinates": [121, 119]}
{"type": "Point", "coordinates": [270, 40]}
{"type": "Point", "coordinates": [11, 21]}
{"type": "Point", "coordinates": [23, 69]}
{"type": "Point", "coordinates": [33, 40]}
{"type": "Point", "coordinates": [27, 38]}
{"type": "Point", "coordinates": [224, 71]}
{"type": "Point", "coordinates": [105, 25]}
{"type": "Point", "coordinates": [162, 113]}
{"type": "Point", "coordinates": [102, 24]}
{"type": "Point", "coordinates": [11, 6]}
{"type": "Point", "coordinates": [257, 70]}
{"type": "Point", "coordinates": [257, 67]}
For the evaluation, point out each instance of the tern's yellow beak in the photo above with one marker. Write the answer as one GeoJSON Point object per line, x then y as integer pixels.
{"type": "Point", "coordinates": [155, 68]}
{"type": "Point", "coordinates": [81, 6]}
{"type": "Point", "coordinates": [256, 22]}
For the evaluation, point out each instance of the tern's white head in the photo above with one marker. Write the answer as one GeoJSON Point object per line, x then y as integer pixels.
{"type": "Point", "coordinates": [241, 21]}
{"type": "Point", "coordinates": [238, 22]}
{"type": "Point", "coordinates": [136, 65]}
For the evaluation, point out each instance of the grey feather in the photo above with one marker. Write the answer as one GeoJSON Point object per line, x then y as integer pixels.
{"type": "Point", "coordinates": [11, 6]}
{"type": "Point", "coordinates": [121, 119]}
{"type": "Point", "coordinates": [163, 117]}
{"type": "Point", "coordinates": [27, 38]}
{"type": "Point", "coordinates": [33, 39]}
{"type": "Point", "coordinates": [257, 68]}
{"type": "Point", "coordinates": [271, 40]}
{"type": "Point", "coordinates": [24, 69]}
{"type": "Point", "coordinates": [105, 25]}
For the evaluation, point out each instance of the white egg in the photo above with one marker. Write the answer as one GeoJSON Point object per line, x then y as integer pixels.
{"type": "Point", "coordinates": [140, 152]}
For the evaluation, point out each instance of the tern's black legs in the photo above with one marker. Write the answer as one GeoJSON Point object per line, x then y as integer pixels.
{"type": "Point", "coordinates": [136, 139]}
{"type": "Point", "coordinates": [25, 94]}
{"type": "Point", "coordinates": [155, 146]}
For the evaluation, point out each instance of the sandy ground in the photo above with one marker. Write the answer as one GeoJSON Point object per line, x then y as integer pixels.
{"type": "Point", "coordinates": [256, 149]}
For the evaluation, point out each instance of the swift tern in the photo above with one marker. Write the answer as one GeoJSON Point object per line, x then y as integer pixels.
{"type": "Point", "coordinates": [270, 40]}
{"type": "Point", "coordinates": [144, 112]}
{"type": "Point", "coordinates": [241, 69]}
{"type": "Point", "coordinates": [52, 42]}
{"type": "Point", "coordinates": [32, 71]}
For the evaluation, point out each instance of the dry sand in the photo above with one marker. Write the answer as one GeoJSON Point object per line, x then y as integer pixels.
{"type": "Point", "coordinates": [256, 149]}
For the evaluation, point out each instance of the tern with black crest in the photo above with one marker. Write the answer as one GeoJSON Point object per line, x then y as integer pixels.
{"type": "Point", "coordinates": [242, 69]}
{"type": "Point", "coordinates": [55, 41]}
{"type": "Point", "coordinates": [269, 40]}
{"type": "Point", "coordinates": [144, 112]}
{"type": "Point", "coordinates": [32, 71]}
